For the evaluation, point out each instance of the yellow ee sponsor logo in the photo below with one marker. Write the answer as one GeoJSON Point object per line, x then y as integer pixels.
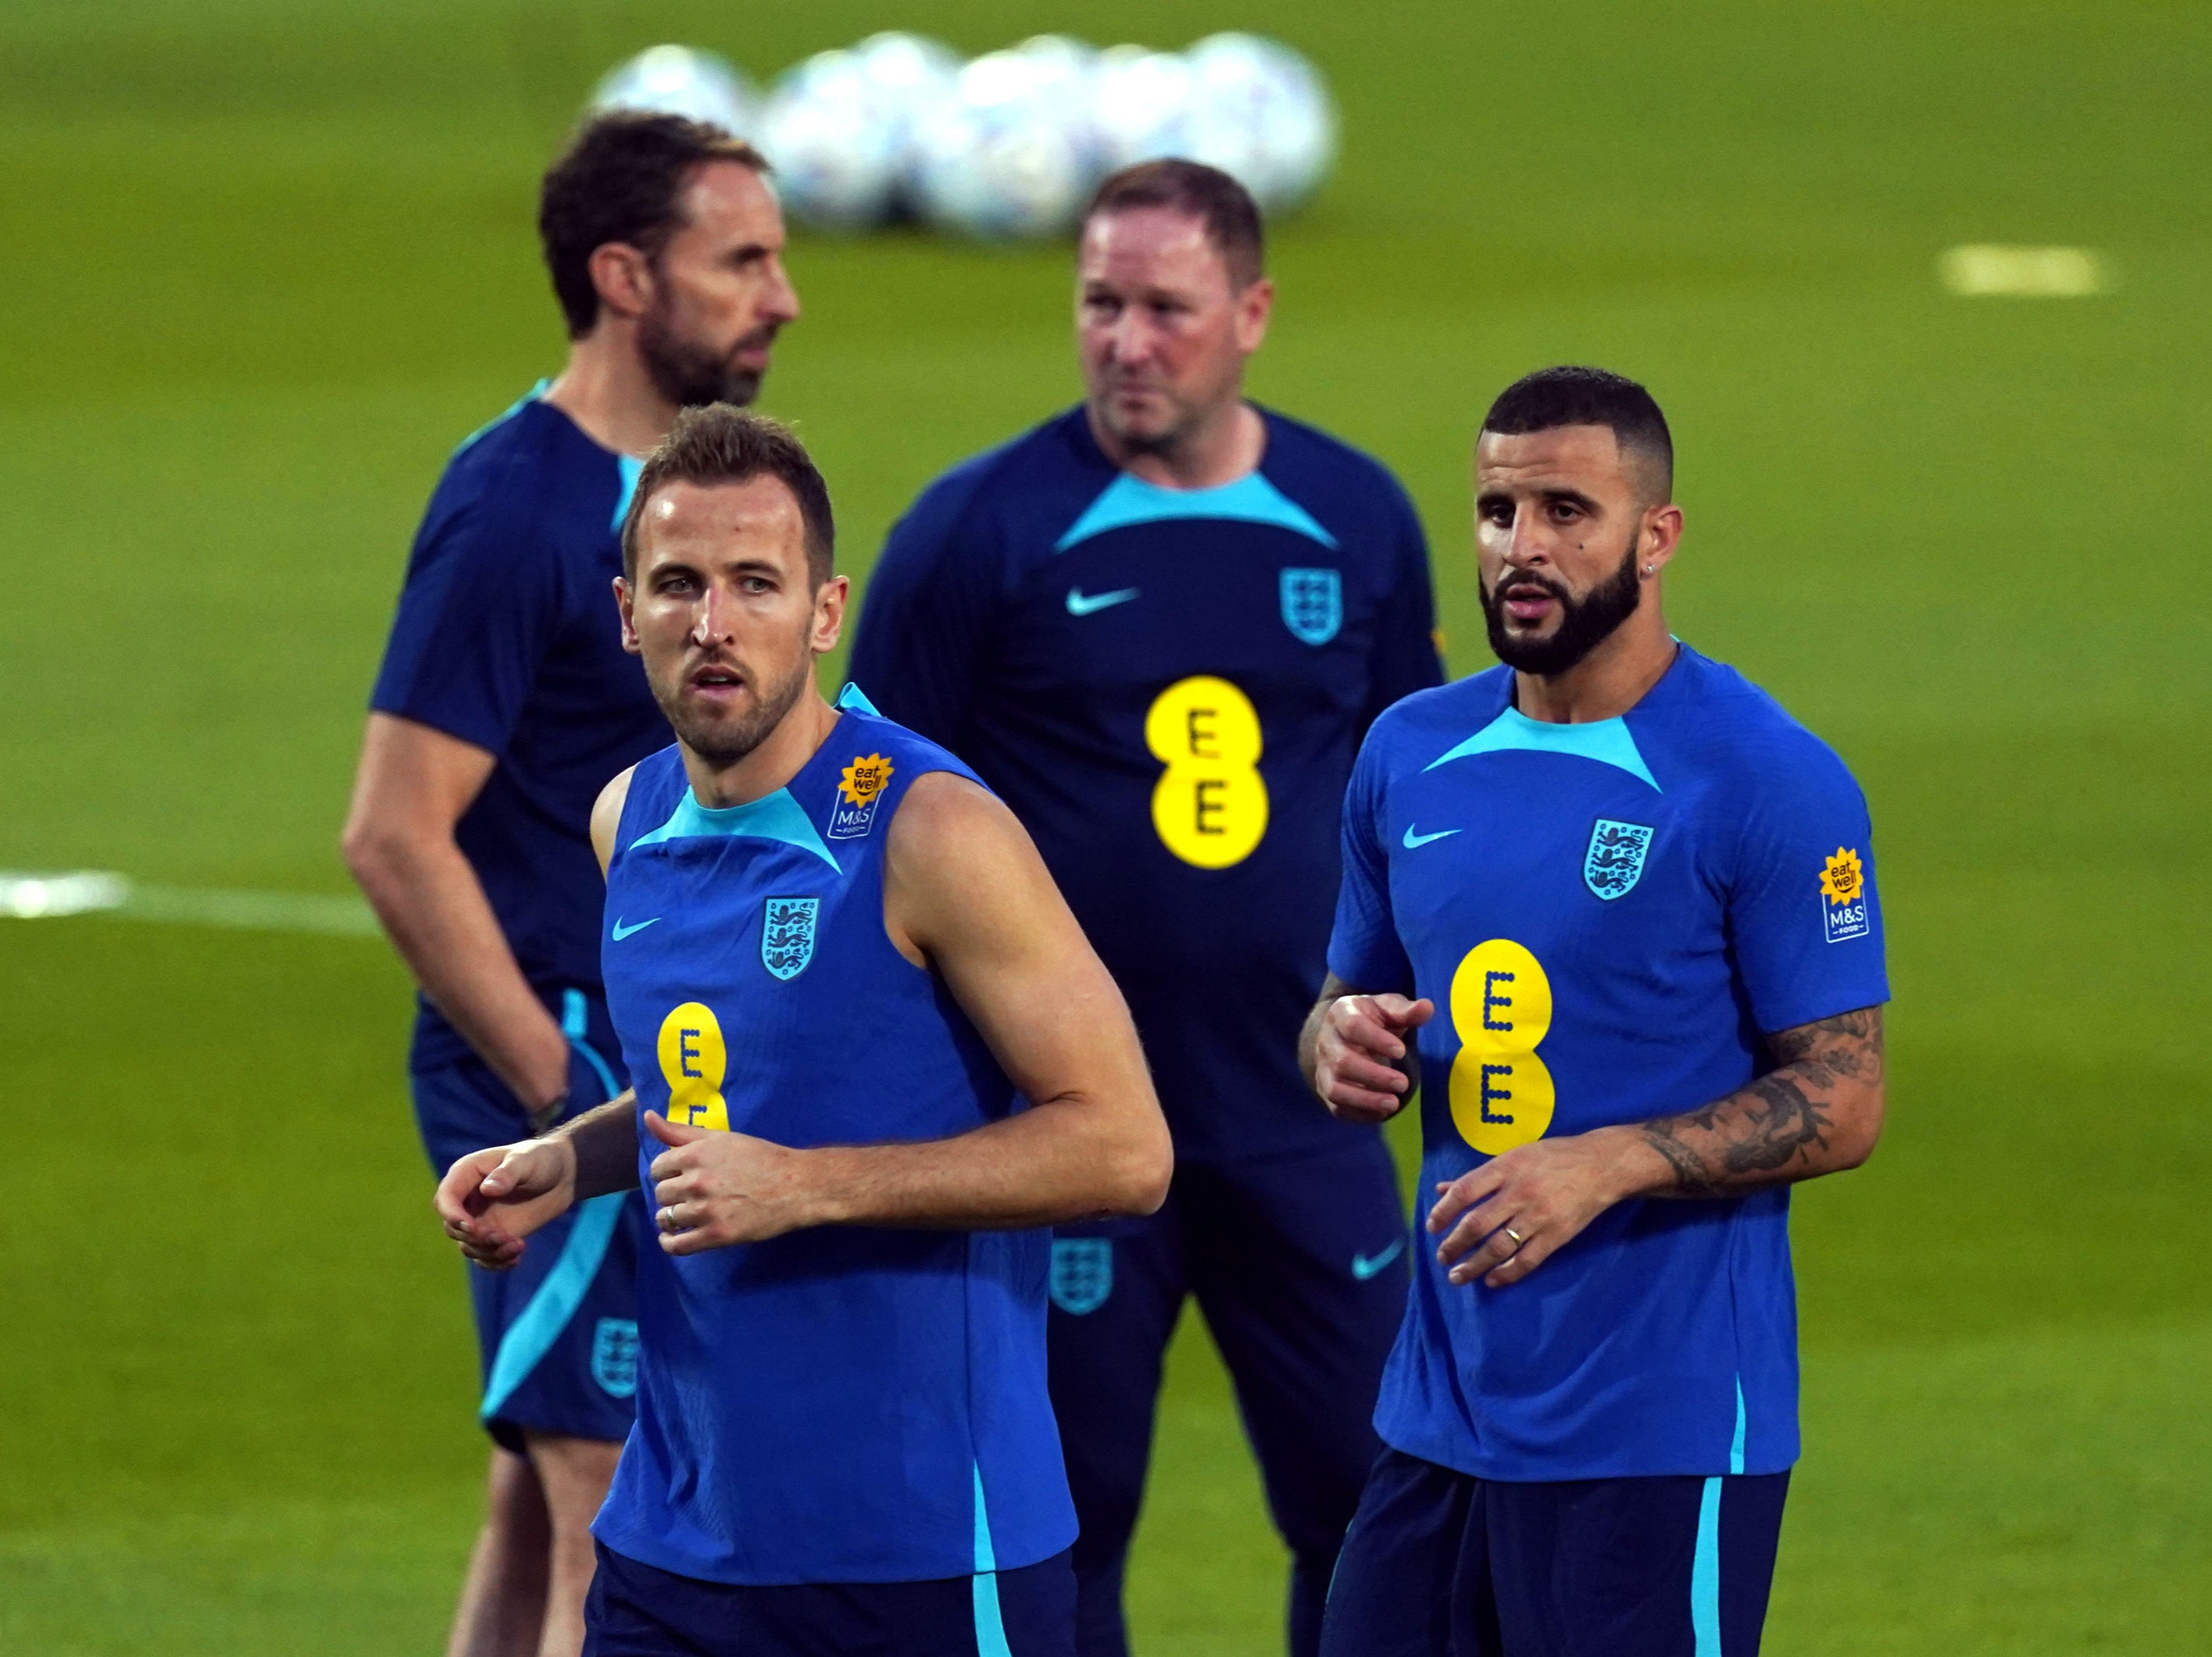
{"type": "Point", "coordinates": [695, 1061]}
{"type": "Point", "coordinates": [1210, 805]}
{"type": "Point", "coordinates": [1501, 1006]}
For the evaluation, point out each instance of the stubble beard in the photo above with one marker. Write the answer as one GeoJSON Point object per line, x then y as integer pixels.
{"type": "Point", "coordinates": [1584, 623]}
{"type": "Point", "coordinates": [724, 742]}
{"type": "Point", "coordinates": [1182, 421]}
{"type": "Point", "coordinates": [688, 374]}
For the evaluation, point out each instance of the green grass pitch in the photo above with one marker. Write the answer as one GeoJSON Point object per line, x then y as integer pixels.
{"type": "Point", "coordinates": [265, 262]}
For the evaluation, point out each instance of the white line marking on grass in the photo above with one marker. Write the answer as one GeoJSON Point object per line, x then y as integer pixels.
{"type": "Point", "coordinates": [91, 891]}
{"type": "Point", "coordinates": [1984, 270]}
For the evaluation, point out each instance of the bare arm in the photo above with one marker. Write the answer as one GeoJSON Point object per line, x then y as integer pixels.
{"type": "Point", "coordinates": [965, 892]}
{"type": "Point", "coordinates": [412, 786]}
{"type": "Point", "coordinates": [1820, 1111]}
{"type": "Point", "coordinates": [490, 1200]}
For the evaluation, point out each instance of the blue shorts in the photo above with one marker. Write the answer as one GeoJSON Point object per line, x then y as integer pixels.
{"type": "Point", "coordinates": [636, 1610]}
{"type": "Point", "coordinates": [1438, 1564]}
{"type": "Point", "coordinates": [1298, 1263]}
{"type": "Point", "coordinates": [556, 1337]}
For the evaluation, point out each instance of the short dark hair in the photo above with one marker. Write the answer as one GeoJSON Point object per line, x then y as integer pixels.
{"type": "Point", "coordinates": [622, 179]}
{"type": "Point", "coordinates": [1226, 206]}
{"type": "Point", "coordinates": [1586, 396]}
{"type": "Point", "coordinates": [721, 443]}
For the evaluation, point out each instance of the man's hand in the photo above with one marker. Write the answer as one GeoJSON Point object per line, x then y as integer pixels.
{"type": "Point", "coordinates": [490, 1200]}
{"type": "Point", "coordinates": [1522, 1207]}
{"type": "Point", "coordinates": [1357, 1053]}
{"type": "Point", "coordinates": [712, 1189]}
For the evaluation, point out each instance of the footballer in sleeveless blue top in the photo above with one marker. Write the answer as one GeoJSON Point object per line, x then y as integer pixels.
{"type": "Point", "coordinates": [835, 1405]}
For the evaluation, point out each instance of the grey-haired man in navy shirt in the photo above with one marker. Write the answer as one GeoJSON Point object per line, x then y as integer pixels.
{"type": "Point", "coordinates": [1157, 626]}
{"type": "Point", "coordinates": [504, 704]}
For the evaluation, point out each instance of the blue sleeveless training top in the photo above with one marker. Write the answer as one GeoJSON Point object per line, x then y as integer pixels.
{"type": "Point", "coordinates": [838, 1405]}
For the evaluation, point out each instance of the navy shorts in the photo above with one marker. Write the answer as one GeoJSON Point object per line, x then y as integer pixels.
{"type": "Point", "coordinates": [556, 1337]}
{"type": "Point", "coordinates": [1298, 1263]}
{"type": "Point", "coordinates": [636, 1610]}
{"type": "Point", "coordinates": [1442, 1565]}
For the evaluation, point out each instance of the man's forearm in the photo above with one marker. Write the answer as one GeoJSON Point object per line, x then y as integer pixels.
{"type": "Point", "coordinates": [435, 909]}
{"type": "Point", "coordinates": [604, 1142]}
{"type": "Point", "coordinates": [1047, 1166]}
{"type": "Point", "coordinates": [1819, 1113]}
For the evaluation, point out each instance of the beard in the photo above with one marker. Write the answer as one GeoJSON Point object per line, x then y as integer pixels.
{"type": "Point", "coordinates": [689, 374]}
{"type": "Point", "coordinates": [1584, 623]}
{"type": "Point", "coordinates": [723, 740]}
{"type": "Point", "coordinates": [1171, 434]}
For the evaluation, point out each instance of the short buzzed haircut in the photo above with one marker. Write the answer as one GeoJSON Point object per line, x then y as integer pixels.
{"type": "Point", "coordinates": [1551, 397]}
{"type": "Point", "coordinates": [721, 443]}
{"type": "Point", "coordinates": [622, 179]}
{"type": "Point", "coordinates": [1207, 194]}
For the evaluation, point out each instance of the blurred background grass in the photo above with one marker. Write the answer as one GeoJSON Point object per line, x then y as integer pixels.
{"type": "Point", "coordinates": [268, 262]}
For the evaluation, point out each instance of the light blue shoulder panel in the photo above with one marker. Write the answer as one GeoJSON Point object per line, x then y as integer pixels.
{"type": "Point", "coordinates": [629, 466]}
{"type": "Point", "coordinates": [1250, 500]}
{"type": "Point", "coordinates": [513, 410]}
{"type": "Point", "coordinates": [852, 697]}
{"type": "Point", "coordinates": [774, 817]}
{"type": "Point", "coordinates": [1608, 742]}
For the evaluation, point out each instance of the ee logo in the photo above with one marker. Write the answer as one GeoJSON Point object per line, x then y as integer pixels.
{"type": "Point", "coordinates": [1501, 1006]}
{"type": "Point", "coordinates": [1210, 805]}
{"type": "Point", "coordinates": [694, 1060]}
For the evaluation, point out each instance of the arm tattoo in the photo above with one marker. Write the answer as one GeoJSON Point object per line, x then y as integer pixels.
{"type": "Point", "coordinates": [1782, 1126]}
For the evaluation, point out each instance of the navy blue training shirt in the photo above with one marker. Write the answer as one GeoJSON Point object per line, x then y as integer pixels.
{"type": "Point", "coordinates": [506, 637]}
{"type": "Point", "coordinates": [1168, 687]}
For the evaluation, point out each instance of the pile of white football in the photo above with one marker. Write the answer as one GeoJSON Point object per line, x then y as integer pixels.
{"type": "Point", "coordinates": [1007, 145]}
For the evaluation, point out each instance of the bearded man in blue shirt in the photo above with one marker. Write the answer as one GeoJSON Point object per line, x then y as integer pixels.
{"type": "Point", "coordinates": [504, 704]}
{"type": "Point", "coordinates": [1615, 910]}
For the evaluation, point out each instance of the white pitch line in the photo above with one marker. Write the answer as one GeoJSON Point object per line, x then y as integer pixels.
{"type": "Point", "coordinates": [91, 891]}
{"type": "Point", "coordinates": [1992, 270]}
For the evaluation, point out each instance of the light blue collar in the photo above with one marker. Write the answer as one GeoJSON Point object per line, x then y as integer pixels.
{"type": "Point", "coordinates": [1251, 499]}
{"type": "Point", "coordinates": [1609, 742]}
{"type": "Point", "coordinates": [774, 817]}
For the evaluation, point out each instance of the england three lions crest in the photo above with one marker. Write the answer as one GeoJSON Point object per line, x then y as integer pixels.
{"type": "Point", "coordinates": [788, 934]}
{"type": "Point", "coordinates": [1082, 1273]}
{"type": "Point", "coordinates": [1313, 604]}
{"type": "Point", "coordinates": [1615, 862]}
{"type": "Point", "coordinates": [614, 1357]}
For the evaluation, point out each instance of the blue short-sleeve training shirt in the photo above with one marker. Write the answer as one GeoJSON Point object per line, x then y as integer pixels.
{"type": "Point", "coordinates": [1168, 687]}
{"type": "Point", "coordinates": [506, 637]}
{"type": "Point", "coordinates": [1608, 917]}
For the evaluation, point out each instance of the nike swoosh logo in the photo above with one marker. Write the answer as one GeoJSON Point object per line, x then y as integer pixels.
{"type": "Point", "coordinates": [1414, 840]}
{"type": "Point", "coordinates": [1365, 1266]}
{"type": "Point", "coordinates": [1082, 604]}
{"type": "Point", "coordinates": [623, 931]}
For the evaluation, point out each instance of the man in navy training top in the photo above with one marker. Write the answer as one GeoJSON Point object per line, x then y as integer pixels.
{"type": "Point", "coordinates": [1158, 625]}
{"type": "Point", "coordinates": [875, 1057]}
{"type": "Point", "coordinates": [1622, 905]}
{"type": "Point", "coordinates": [504, 705]}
